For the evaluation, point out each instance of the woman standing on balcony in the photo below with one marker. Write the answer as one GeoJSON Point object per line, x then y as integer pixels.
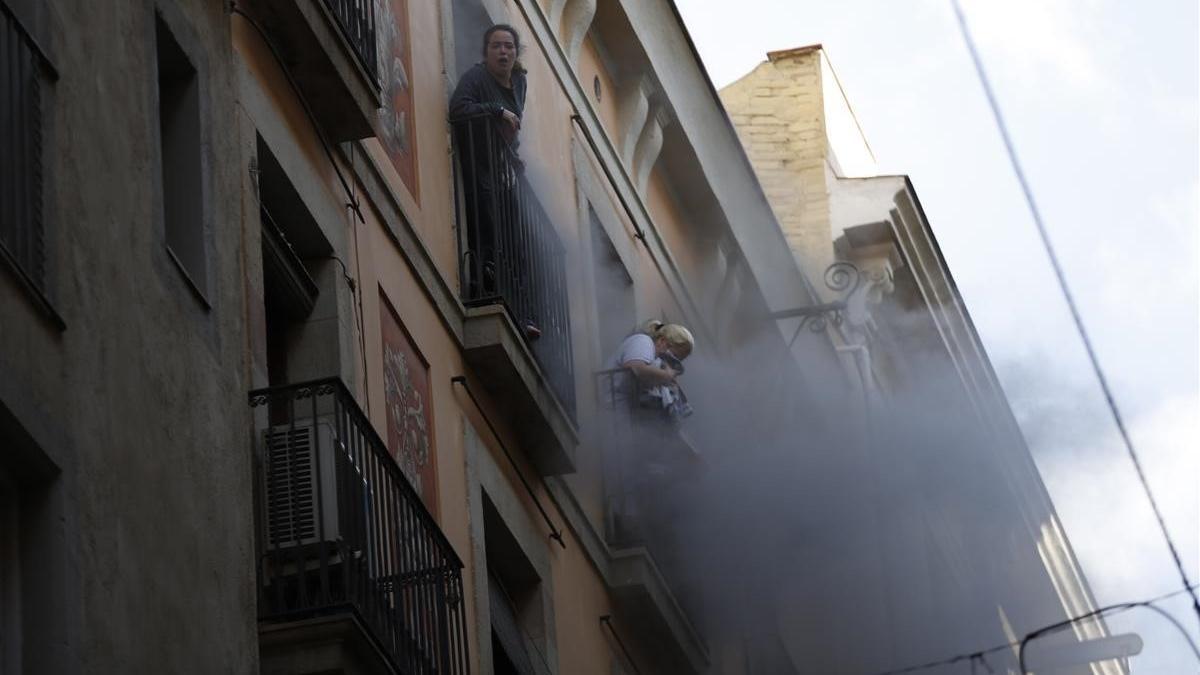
{"type": "Point", "coordinates": [496, 86]}
{"type": "Point", "coordinates": [486, 111]}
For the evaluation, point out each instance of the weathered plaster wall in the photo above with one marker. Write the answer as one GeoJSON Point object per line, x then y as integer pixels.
{"type": "Point", "coordinates": [141, 401]}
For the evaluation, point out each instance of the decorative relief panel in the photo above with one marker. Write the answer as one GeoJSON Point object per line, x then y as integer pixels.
{"type": "Point", "coordinates": [395, 124]}
{"type": "Point", "coordinates": [408, 406]}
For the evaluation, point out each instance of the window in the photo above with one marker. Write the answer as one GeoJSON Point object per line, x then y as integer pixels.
{"type": "Point", "coordinates": [10, 586]}
{"type": "Point", "coordinates": [32, 562]}
{"type": "Point", "coordinates": [614, 290]}
{"type": "Point", "coordinates": [514, 600]}
{"type": "Point", "coordinates": [179, 138]}
{"type": "Point", "coordinates": [22, 69]}
{"type": "Point", "coordinates": [297, 267]}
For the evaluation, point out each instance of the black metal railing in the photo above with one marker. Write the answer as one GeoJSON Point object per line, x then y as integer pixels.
{"type": "Point", "coordinates": [649, 466]}
{"type": "Point", "coordinates": [645, 453]}
{"type": "Point", "coordinates": [23, 66]}
{"type": "Point", "coordinates": [509, 251]}
{"type": "Point", "coordinates": [341, 529]}
{"type": "Point", "coordinates": [357, 21]}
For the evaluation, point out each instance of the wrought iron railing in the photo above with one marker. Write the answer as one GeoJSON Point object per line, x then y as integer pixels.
{"type": "Point", "coordinates": [644, 452]}
{"type": "Point", "coordinates": [509, 251]}
{"type": "Point", "coordinates": [342, 530]}
{"type": "Point", "coordinates": [357, 21]}
{"type": "Point", "coordinates": [648, 464]}
{"type": "Point", "coordinates": [23, 66]}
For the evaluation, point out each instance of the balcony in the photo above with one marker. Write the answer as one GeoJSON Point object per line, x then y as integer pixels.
{"type": "Point", "coordinates": [354, 574]}
{"type": "Point", "coordinates": [330, 49]}
{"type": "Point", "coordinates": [646, 460]}
{"type": "Point", "coordinates": [645, 451]}
{"type": "Point", "coordinates": [514, 285]}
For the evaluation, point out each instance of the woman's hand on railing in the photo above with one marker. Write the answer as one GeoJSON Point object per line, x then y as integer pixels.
{"type": "Point", "coordinates": [486, 129]}
{"type": "Point", "coordinates": [512, 120]}
{"type": "Point", "coordinates": [510, 126]}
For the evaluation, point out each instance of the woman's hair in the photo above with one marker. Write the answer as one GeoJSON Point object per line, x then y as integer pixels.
{"type": "Point", "coordinates": [487, 37]}
{"type": "Point", "coordinates": [651, 327]}
{"type": "Point", "coordinates": [676, 336]}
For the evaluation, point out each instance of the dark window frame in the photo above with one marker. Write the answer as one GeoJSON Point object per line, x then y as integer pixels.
{"type": "Point", "coordinates": [37, 529]}
{"type": "Point", "coordinates": [197, 264]}
{"type": "Point", "coordinates": [10, 575]}
{"type": "Point", "coordinates": [22, 193]}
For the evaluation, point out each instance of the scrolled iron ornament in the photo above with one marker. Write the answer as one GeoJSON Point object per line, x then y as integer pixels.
{"type": "Point", "coordinates": [843, 275]}
{"type": "Point", "coordinates": [843, 278]}
{"type": "Point", "coordinates": [817, 323]}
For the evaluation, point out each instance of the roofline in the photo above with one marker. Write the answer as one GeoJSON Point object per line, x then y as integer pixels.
{"type": "Point", "coordinates": [808, 287]}
{"type": "Point", "coordinates": [849, 106]}
{"type": "Point", "coordinates": [1042, 491]}
{"type": "Point", "coordinates": [794, 51]}
{"type": "Point", "coordinates": [781, 54]}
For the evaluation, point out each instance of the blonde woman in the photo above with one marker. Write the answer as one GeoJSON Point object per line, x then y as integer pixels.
{"type": "Point", "coordinates": [649, 353]}
{"type": "Point", "coordinates": [644, 444]}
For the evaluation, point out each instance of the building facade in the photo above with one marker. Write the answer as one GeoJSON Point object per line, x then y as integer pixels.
{"type": "Point", "coordinates": [264, 409]}
{"type": "Point", "coordinates": [254, 418]}
{"type": "Point", "coordinates": [969, 546]}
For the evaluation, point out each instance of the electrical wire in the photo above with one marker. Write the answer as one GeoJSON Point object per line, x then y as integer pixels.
{"type": "Point", "coordinates": [312, 118]}
{"type": "Point", "coordinates": [606, 621]}
{"type": "Point", "coordinates": [978, 655]}
{"type": "Point", "coordinates": [1066, 291]}
{"type": "Point", "coordinates": [555, 533]}
{"type": "Point", "coordinates": [362, 331]}
{"type": "Point", "coordinates": [352, 197]}
{"type": "Point", "coordinates": [1121, 607]}
{"type": "Point", "coordinates": [350, 282]}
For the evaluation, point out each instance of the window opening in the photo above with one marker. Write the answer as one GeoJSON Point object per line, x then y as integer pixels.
{"type": "Point", "coordinates": [179, 144]}
{"type": "Point", "coordinates": [615, 309]}
{"type": "Point", "coordinates": [10, 584]}
{"type": "Point", "coordinates": [22, 69]}
{"type": "Point", "coordinates": [514, 599]}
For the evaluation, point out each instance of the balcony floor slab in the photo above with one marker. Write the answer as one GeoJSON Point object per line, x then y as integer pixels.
{"type": "Point", "coordinates": [513, 379]}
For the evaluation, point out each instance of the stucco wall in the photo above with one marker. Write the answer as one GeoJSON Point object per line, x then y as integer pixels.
{"type": "Point", "coordinates": [141, 400]}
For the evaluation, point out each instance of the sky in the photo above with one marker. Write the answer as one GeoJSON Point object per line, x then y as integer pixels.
{"type": "Point", "coordinates": [1102, 99]}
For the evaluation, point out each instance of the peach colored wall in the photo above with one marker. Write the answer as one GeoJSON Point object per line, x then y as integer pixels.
{"type": "Point", "coordinates": [264, 69]}
{"type": "Point", "coordinates": [434, 218]}
{"type": "Point", "coordinates": [694, 251]}
{"type": "Point", "coordinates": [547, 137]}
{"type": "Point", "coordinates": [590, 67]}
{"type": "Point", "coordinates": [579, 593]}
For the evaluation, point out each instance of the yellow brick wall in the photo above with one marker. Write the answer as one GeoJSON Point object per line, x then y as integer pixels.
{"type": "Point", "coordinates": [779, 115]}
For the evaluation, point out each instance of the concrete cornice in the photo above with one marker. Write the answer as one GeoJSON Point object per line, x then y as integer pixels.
{"type": "Point", "coordinates": [663, 112]}
{"type": "Point", "coordinates": [648, 84]}
{"type": "Point", "coordinates": [793, 52]}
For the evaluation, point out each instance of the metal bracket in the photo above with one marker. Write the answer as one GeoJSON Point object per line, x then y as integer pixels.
{"type": "Point", "coordinates": [841, 277]}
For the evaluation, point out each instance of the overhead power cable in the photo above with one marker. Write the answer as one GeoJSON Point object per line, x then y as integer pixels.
{"type": "Point", "coordinates": [352, 200]}
{"type": "Point", "coordinates": [1066, 291]}
{"type": "Point", "coordinates": [978, 655]}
